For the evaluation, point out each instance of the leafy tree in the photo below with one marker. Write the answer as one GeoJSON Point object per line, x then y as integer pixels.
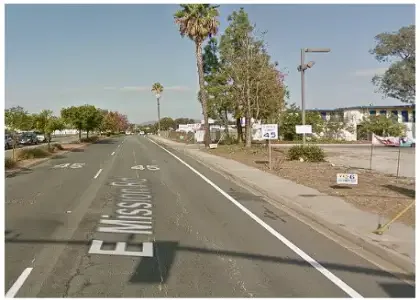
{"type": "Point", "coordinates": [217, 88]}
{"type": "Point", "coordinates": [198, 22]}
{"type": "Point", "coordinates": [293, 116]}
{"type": "Point", "coordinates": [382, 125]}
{"type": "Point", "coordinates": [167, 123]}
{"type": "Point", "coordinates": [16, 118]}
{"type": "Point", "coordinates": [183, 121]}
{"type": "Point", "coordinates": [399, 81]}
{"type": "Point", "coordinates": [92, 118]}
{"type": "Point", "coordinates": [74, 115]}
{"type": "Point", "coordinates": [157, 88]}
{"type": "Point", "coordinates": [335, 125]}
{"type": "Point", "coordinates": [256, 86]}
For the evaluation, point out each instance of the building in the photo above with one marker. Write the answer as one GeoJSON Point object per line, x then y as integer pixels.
{"type": "Point", "coordinates": [353, 116]}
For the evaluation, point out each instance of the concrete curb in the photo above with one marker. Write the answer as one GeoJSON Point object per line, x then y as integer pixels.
{"type": "Point", "coordinates": [388, 255]}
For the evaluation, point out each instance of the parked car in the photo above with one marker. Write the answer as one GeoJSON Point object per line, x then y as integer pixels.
{"type": "Point", "coordinates": [8, 142]}
{"type": "Point", "coordinates": [40, 136]}
{"type": "Point", "coordinates": [28, 138]}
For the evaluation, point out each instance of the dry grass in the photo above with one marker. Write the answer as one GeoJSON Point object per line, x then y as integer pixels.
{"type": "Point", "coordinates": [376, 192]}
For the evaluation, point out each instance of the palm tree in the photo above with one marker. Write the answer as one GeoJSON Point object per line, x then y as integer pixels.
{"type": "Point", "coordinates": [198, 22]}
{"type": "Point", "coordinates": [157, 88]}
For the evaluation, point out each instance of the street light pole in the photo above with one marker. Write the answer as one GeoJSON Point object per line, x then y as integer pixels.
{"type": "Point", "coordinates": [302, 89]}
{"type": "Point", "coordinates": [158, 109]}
{"type": "Point", "coordinates": [302, 69]}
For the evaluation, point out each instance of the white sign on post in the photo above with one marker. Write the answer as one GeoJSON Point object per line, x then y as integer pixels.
{"type": "Point", "coordinates": [270, 131]}
{"type": "Point", "coordinates": [303, 129]}
{"type": "Point", "coordinates": [344, 178]}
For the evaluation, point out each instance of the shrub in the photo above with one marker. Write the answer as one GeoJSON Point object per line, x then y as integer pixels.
{"type": "Point", "coordinates": [9, 163]}
{"type": "Point", "coordinates": [312, 153]}
{"type": "Point", "coordinates": [39, 152]}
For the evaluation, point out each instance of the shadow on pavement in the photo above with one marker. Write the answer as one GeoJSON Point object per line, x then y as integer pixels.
{"type": "Point", "coordinates": [398, 290]}
{"type": "Point", "coordinates": [156, 269]}
{"type": "Point", "coordinates": [106, 142]}
{"type": "Point", "coordinates": [17, 172]}
{"type": "Point", "coordinates": [404, 191]}
{"type": "Point", "coordinates": [77, 150]}
{"type": "Point", "coordinates": [60, 156]}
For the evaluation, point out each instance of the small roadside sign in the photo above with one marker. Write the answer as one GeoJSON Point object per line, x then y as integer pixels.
{"type": "Point", "coordinates": [303, 129]}
{"type": "Point", "coordinates": [270, 131]}
{"type": "Point", "coordinates": [345, 178]}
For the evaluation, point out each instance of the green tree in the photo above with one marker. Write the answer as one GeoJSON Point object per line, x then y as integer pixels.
{"type": "Point", "coordinates": [399, 81]}
{"type": "Point", "coordinates": [382, 125]}
{"type": "Point", "coordinates": [256, 86]}
{"type": "Point", "coordinates": [335, 125]}
{"type": "Point", "coordinates": [92, 118]}
{"type": "Point", "coordinates": [53, 124]}
{"type": "Point", "coordinates": [73, 115]}
{"type": "Point", "coordinates": [16, 118]}
{"type": "Point", "coordinates": [219, 103]}
{"type": "Point", "coordinates": [292, 116]}
{"type": "Point", "coordinates": [198, 22]}
{"type": "Point", "coordinates": [167, 123]}
{"type": "Point", "coordinates": [157, 88]}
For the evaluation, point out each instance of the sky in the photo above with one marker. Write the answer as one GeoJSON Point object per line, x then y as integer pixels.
{"type": "Point", "coordinates": [110, 55]}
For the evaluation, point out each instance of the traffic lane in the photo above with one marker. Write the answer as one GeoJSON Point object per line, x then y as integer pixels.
{"type": "Point", "coordinates": [59, 139]}
{"type": "Point", "coordinates": [37, 201]}
{"type": "Point", "coordinates": [79, 273]}
{"type": "Point", "coordinates": [363, 276]}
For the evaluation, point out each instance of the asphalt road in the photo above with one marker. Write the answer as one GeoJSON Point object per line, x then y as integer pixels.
{"type": "Point", "coordinates": [57, 139]}
{"type": "Point", "coordinates": [181, 233]}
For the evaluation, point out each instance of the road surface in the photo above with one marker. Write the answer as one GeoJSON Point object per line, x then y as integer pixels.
{"type": "Point", "coordinates": [182, 231]}
{"type": "Point", "coordinates": [57, 139]}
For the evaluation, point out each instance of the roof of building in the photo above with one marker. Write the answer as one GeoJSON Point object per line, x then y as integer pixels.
{"type": "Point", "coordinates": [366, 107]}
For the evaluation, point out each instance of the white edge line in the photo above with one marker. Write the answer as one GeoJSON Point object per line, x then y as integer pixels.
{"type": "Point", "coordinates": [11, 293]}
{"type": "Point", "coordinates": [330, 276]}
{"type": "Point", "coordinates": [113, 153]}
{"type": "Point", "coordinates": [97, 174]}
{"type": "Point", "coordinates": [119, 146]}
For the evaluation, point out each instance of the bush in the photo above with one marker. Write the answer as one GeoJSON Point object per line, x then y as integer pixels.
{"type": "Point", "coordinates": [9, 163]}
{"type": "Point", "coordinates": [310, 153]}
{"type": "Point", "coordinates": [39, 152]}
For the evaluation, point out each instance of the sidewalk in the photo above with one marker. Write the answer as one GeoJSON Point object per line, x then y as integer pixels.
{"type": "Point", "coordinates": [396, 245]}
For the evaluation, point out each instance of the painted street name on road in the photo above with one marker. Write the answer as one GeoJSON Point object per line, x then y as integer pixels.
{"type": "Point", "coordinates": [148, 167]}
{"type": "Point", "coordinates": [134, 216]}
{"type": "Point", "coordinates": [69, 165]}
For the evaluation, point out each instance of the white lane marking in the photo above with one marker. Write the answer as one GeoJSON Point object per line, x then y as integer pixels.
{"type": "Point", "coordinates": [119, 146]}
{"type": "Point", "coordinates": [97, 174]}
{"type": "Point", "coordinates": [11, 293]}
{"type": "Point", "coordinates": [113, 153]}
{"type": "Point", "coordinates": [334, 279]}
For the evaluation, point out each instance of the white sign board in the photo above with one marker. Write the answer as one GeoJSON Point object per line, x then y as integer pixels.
{"type": "Point", "coordinates": [270, 131]}
{"type": "Point", "coordinates": [344, 178]}
{"type": "Point", "coordinates": [301, 129]}
{"type": "Point", "coordinates": [199, 136]}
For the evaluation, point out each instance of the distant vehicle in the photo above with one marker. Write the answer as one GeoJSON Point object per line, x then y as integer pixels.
{"type": "Point", "coordinates": [40, 136]}
{"type": "Point", "coordinates": [28, 138]}
{"type": "Point", "coordinates": [141, 133]}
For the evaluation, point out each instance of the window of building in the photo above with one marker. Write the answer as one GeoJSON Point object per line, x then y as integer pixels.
{"type": "Point", "coordinates": [372, 112]}
{"type": "Point", "coordinates": [414, 116]}
{"type": "Point", "coordinates": [324, 115]}
{"type": "Point", "coordinates": [404, 115]}
{"type": "Point", "coordinates": [382, 112]}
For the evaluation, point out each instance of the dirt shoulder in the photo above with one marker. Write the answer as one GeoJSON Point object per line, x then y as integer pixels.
{"type": "Point", "coordinates": [376, 192]}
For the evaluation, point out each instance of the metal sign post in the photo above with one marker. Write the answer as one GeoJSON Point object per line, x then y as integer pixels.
{"type": "Point", "coordinates": [270, 132]}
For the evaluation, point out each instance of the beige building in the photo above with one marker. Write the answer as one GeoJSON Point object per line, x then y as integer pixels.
{"type": "Point", "coordinates": [354, 115]}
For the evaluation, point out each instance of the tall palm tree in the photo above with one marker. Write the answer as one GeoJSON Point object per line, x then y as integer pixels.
{"type": "Point", "coordinates": [198, 22]}
{"type": "Point", "coordinates": [157, 88]}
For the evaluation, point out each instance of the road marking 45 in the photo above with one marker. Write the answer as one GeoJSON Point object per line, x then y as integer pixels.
{"type": "Point", "coordinates": [148, 167]}
{"type": "Point", "coordinates": [69, 165]}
